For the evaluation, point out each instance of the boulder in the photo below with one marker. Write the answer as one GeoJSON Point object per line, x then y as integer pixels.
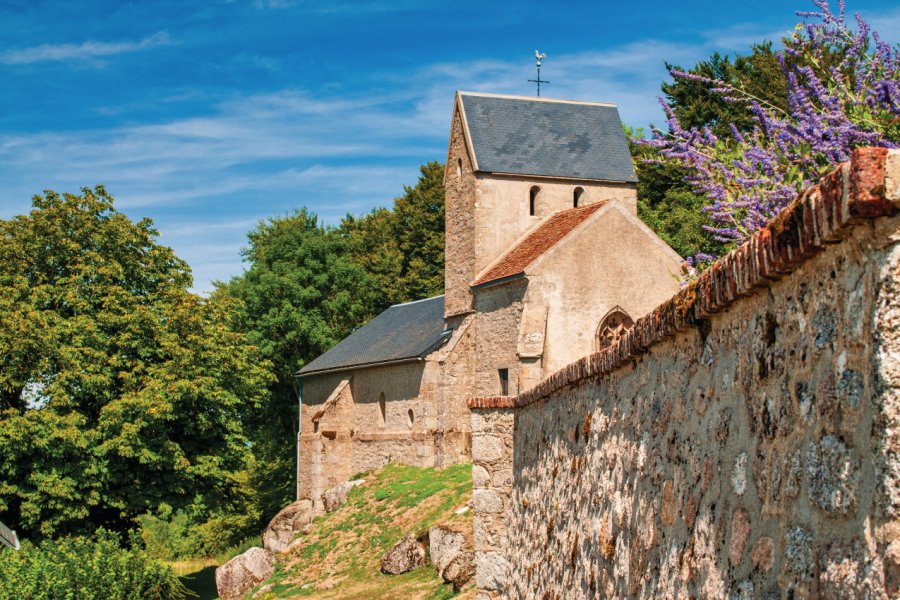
{"type": "Point", "coordinates": [291, 520]}
{"type": "Point", "coordinates": [335, 497]}
{"type": "Point", "coordinates": [240, 574]}
{"type": "Point", "coordinates": [461, 570]}
{"type": "Point", "coordinates": [452, 555]}
{"type": "Point", "coordinates": [406, 555]}
{"type": "Point", "coordinates": [444, 543]}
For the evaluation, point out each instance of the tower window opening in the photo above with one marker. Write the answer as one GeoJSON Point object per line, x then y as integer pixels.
{"type": "Point", "coordinates": [410, 418]}
{"type": "Point", "coordinates": [504, 381]}
{"type": "Point", "coordinates": [532, 200]}
{"type": "Point", "coordinates": [382, 410]}
{"type": "Point", "coordinates": [459, 167]}
{"type": "Point", "coordinates": [576, 196]}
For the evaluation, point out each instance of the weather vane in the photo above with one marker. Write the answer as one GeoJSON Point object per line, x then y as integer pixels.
{"type": "Point", "coordinates": [538, 81]}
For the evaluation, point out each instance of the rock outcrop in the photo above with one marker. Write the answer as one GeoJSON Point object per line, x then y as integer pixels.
{"type": "Point", "coordinates": [291, 520]}
{"type": "Point", "coordinates": [335, 497]}
{"type": "Point", "coordinates": [236, 577]}
{"type": "Point", "coordinates": [452, 555]}
{"type": "Point", "coordinates": [461, 570]}
{"type": "Point", "coordinates": [406, 555]}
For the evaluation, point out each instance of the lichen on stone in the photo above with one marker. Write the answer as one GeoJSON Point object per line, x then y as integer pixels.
{"type": "Point", "coordinates": [832, 475]}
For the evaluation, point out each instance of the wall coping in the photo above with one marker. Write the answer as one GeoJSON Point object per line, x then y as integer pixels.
{"type": "Point", "coordinates": [865, 188]}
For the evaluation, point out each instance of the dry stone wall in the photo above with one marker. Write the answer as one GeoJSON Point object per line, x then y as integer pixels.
{"type": "Point", "coordinates": [742, 441]}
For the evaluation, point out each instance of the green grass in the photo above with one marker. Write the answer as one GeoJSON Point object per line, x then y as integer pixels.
{"type": "Point", "coordinates": [340, 557]}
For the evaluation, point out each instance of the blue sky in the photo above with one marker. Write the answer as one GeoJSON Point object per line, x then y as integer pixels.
{"type": "Point", "coordinates": [209, 116]}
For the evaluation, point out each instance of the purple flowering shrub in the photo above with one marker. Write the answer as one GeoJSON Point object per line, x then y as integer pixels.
{"type": "Point", "coordinates": [835, 105]}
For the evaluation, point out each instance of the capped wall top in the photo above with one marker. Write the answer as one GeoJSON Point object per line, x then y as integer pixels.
{"type": "Point", "coordinates": [546, 137]}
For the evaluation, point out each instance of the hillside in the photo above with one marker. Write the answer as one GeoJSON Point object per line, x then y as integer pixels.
{"type": "Point", "coordinates": [340, 557]}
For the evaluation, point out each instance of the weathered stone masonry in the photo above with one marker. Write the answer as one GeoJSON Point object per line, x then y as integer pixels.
{"type": "Point", "coordinates": [743, 440]}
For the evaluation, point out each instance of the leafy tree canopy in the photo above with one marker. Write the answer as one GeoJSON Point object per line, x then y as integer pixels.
{"type": "Point", "coordinates": [758, 73]}
{"type": "Point", "coordinates": [120, 391]}
{"type": "Point", "coordinates": [308, 285]}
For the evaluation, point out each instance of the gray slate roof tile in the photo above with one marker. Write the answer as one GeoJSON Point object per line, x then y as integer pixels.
{"type": "Point", "coordinates": [402, 332]}
{"type": "Point", "coordinates": [527, 136]}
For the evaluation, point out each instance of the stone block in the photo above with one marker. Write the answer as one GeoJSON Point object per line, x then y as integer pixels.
{"type": "Point", "coordinates": [832, 475]}
{"type": "Point", "coordinates": [740, 529]}
{"type": "Point", "coordinates": [490, 571]}
{"type": "Point", "coordinates": [480, 477]}
{"type": "Point", "coordinates": [486, 501]}
{"type": "Point", "coordinates": [486, 448]}
{"type": "Point", "coordinates": [763, 553]}
{"type": "Point", "coordinates": [892, 177]}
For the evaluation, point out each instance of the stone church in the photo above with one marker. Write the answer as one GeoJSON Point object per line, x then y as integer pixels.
{"type": "Point", "coordinates": [546, 261]}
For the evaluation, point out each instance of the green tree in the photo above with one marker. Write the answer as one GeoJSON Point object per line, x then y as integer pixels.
{"type": "Point", "coordinates": [308, 286]}
{"type": "Point", "coordinates": [758, 73]}
{"type": "Point", "coordinates": [121, 392]}
{"type": "Point", "coordinates": [666, 202]}
{"type": "Point", "coordinates": [302, 293]}
{"type": "Point", "coordinates": [402, 250]}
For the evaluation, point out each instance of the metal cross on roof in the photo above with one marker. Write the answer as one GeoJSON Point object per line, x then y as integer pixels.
{"type": "Point", "coordinates": [538, 81]}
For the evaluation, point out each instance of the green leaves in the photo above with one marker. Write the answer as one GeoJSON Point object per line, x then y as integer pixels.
{"type": "Point", "coordinates": [96, 567]}
{"type": "Point", "coordinates": [120, 389]}
{"type": "Point", "coordinates": [308, 286]}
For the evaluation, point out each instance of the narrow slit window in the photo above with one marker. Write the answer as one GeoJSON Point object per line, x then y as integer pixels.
{"type": "Point", "coordinates": [504, 382]}
{"type": "Point", "coordinates": [576, 196]}
{"type": "Point", "coordinates": [382, 410]}
{"type": "Point", "coordinates": [459, 167]}
{"type": "Point", "coordinates": [532, 200]}
{"type": "Point", "coordinates": [410, 418]}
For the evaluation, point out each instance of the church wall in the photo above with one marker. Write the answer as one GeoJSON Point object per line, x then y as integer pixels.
{"type": "Point", "coordinates": [499, 312]}
{"type": "Point", "coordinates": [613, 261]}
{"type": "Point", "coordinates": [351, 436]}
{"type": "Point", "coordinates": [742, 441]}
{"type": "Point", "coordinates": [454, 383]}
{"type": "Point", "coordinates": [459, 211]}
{"type": "Point", "coordinates": [502, 207]}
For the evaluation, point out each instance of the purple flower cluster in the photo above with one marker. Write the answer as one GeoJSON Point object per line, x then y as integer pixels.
{"type": "Point", "coordinates": [833, 108]}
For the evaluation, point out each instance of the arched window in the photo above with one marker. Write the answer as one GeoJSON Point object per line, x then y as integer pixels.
{"type": "Point", "coordinates": [576, 196]}
{"type": "Point", "coordinates": [612, 328]}
{"type": "Point", "coordinates": [532, 200]}
{"type": "Point", "coordinates": [459, 167]}
{"type": "Point", "coordinates": [410, 418]}
{"type": "Point", "coordinates": [382, 410]}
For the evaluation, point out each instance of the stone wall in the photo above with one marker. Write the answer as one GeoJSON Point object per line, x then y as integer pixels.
{"type": "Point", "coordinates": [502, 207]}
{"type": "Point", "coordinates": [343, 432]}
{"type": "Point", "coordinates": [741, 441]}
{"type": "Point", "coordinates": [425, 423]}
{"type": "Point", "coordinates": [459, 210]}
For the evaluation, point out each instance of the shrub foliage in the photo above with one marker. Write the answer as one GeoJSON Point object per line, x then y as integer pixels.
{"type": "Point", "coordinates": [82, 567]}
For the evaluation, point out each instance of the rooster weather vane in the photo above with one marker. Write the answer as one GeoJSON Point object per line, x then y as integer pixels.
{"type": "Point", "coordinates": [538, 81]}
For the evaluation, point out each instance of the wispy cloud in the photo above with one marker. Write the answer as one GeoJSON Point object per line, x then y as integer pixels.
{"type": "Point", "coordinates": [80, 52]}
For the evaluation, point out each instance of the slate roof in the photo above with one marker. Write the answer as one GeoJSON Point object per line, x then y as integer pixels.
{"type": "Point", "coordinates": [553, 138]}
{"type": "Point", "coordinates": [402, 332]}
{"type": "Point", "coordinates": [535, 243]}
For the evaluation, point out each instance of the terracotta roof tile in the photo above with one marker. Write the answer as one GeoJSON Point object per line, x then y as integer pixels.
{"type": "Point", "coordinates": [536, 243]}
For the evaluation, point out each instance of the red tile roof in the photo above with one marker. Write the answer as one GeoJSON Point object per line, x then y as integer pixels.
{"type": "Point", "coordinates": [533, 245]}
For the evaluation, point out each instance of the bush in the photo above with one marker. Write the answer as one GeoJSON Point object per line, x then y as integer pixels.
{"type": "Point", "coordinates": [81, 567]}
{"type": "Point", "coordinates": [179, 535]}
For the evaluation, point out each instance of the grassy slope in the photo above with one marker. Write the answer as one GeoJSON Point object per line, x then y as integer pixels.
{"type": "Point", "coordinates": [340, 557]}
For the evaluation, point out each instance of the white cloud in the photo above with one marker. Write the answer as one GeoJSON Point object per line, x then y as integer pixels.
{"type": "Point", "coordinates": [79, 52]}
{"type": "Point", "coordinates": [253, 156]}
